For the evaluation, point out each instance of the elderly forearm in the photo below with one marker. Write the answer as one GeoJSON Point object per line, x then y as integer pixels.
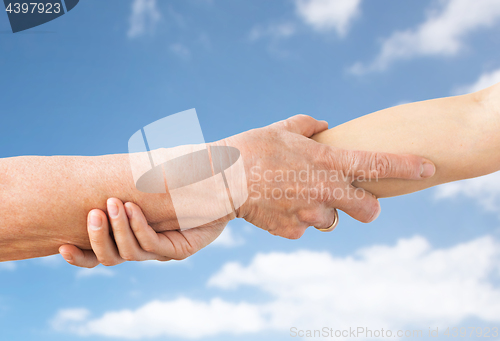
{"type": "Point", "coordinates": [461, 135]}
{"type": "Point", "coordinates": [45, 200]}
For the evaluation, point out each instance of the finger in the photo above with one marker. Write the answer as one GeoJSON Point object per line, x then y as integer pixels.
{"type": "Point", "coordinates": [101, 241]}
{"type": "Point", "coordinates": [165, 225]}
{"type": "Point", "coordinates": [333, 222]}
{"type": "Point", "coordinates": [320, 217]}
{"type": "Point", "coordinates": [290, 228]}
{"type": "Point", "coordinates": [202, 236]}
{"type": "Point", "coordinates": [373, 165]}
{"type": "Point", "coordinates": [78, 257]}
{"type": "Point", "coordinates": [146, 238]}
{"type": "Point", "coordinates": [170, 244]}
{"type": "Point", "coordinates": [179, 245]}
{"type": "Point", "coordinates": [356, 202]}
{"type": "Point", "coordinates": [304, 125]}
{"type": "Point", "coordinates": [128, 246]}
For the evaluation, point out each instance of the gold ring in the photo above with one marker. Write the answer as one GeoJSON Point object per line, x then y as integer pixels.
{"type": "Point", "coordinates": [333, 225]}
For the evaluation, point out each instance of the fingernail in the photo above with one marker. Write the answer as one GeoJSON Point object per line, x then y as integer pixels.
{"type": "Point", "coordinates": [95, 222]}
{"type": "Point", "coordinates": [128, 209]}
{"type": "Point", "coordinates": [112, 209]}
{"type": "Point", "coordinates": [67, 256]}
{"type": "Point", "coordinates": [427, 170]}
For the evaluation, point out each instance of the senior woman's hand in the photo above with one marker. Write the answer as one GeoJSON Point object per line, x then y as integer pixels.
{"type": "Point", "coordinates": [295, 182]}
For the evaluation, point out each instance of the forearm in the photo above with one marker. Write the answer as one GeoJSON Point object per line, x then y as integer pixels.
{"type": "Point", "coordinates": [45, 200]}
{"type": "Point", "coordinates": [461, 135]}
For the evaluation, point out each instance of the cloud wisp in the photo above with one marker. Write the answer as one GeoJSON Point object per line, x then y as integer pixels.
{"type": "Point", "coordinates": [441, 34]}
{"type": "Point", "coordinates": [97, 271]}
{"type": "Point", "coordinates": [144, 17]}
{"type": "Point", "coordinates": [228, 238]}
{"type": "Point", "coordinates": [328, 15]}
{"type": "Point", "coordinates": [486, 80]}
{"type": "Point", "coordinates": [181, 51]}
{"type": "Point", "coordinates": [484, 190]}
{"type": "Point", "coordinates": [8, 266]}
{"type": "Point", "coordinates": [322, 16]}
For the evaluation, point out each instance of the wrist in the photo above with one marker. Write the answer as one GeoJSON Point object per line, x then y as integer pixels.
{"type": "Point", "coordinates": [236, 164]}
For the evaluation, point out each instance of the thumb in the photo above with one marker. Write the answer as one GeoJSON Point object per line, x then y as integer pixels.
{"type": "Point", "coordinates": [78, 257]}
{"type": "Point", "coordinates": [304, 125]}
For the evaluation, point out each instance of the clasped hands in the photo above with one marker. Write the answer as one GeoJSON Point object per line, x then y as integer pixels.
{"type": "Point", "coordinates": [293, 182]}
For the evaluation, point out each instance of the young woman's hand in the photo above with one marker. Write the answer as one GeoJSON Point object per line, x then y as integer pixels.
{"type": "Point", "coordinates": [126, 236]}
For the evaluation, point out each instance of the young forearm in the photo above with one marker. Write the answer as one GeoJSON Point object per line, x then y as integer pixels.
{"type": "Point", "coordinates": [461, 135]}
{"type": "Point", "coordinates": [45, 200]}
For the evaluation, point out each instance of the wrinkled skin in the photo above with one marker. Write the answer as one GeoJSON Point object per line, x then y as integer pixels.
{"type": "Point", "coordinates": [278, 201]}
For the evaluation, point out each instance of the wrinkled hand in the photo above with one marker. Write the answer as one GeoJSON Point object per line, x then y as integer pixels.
{"type": "Point", "coordinates": [295, 182]}
{"type": "Point", "coordinates": [134, 240]}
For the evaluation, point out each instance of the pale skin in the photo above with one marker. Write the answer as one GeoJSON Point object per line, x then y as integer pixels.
{"type": "Point", "coordinates": [461, 135]}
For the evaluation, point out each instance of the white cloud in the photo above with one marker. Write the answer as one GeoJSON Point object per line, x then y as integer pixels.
{"type": "Point", "coordinates": [325, 15]}
{"type": "Point", "coordinates": [485, 80]}
{"type": "Point", "coordinates": [228, 238]}
{"type": "Point", "coordinates": [97, 271]}
{"type": "Point", "coordinates": [321, 15]}
{"type": "Point", "coordinates": [485, 190]}
{"type": "Point", "coordinates": [180, 50]}
{"type": "Point", "coordinates": [408, 284]}
{"type": "Point", "coordinates": [68, 319]}
{"type": "Point", "coordinates": [441, 34]}
{"type": "Point", "coordinates": [7, 266]}
{"type": "Point", "coordinates": [173, 318]}
{"type": "Point", "coordinates": [144, 17]}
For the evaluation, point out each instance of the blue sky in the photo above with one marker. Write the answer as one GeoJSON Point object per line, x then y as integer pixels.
{"type": "Point", "coordinates": [84, 83]}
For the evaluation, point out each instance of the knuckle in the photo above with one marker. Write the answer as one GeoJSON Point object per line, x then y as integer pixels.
{"type": "Point", "coordinates": [180, 257]}
{"type": "Point", "coordinates": [128, 256]}
{"type": "Point", "coordinates": [344, 162]}
{"type": "Point", "coordinates": [87, 265]}
{"type": "Point", "coordinates": [148, 247]}
{"type": "Point", "coordinates": [380, 165]}
{"type": "Point", "coordinates": [289, 124]}
{"type": "Point", "coordinates": [107, 262]}
{"type": "Point", "coordinates": [185, 251]}
{"type": "Point", "coordinates": [304, 118]}
{"type": "Point", "coordinates": [330, 159]}
{"type": "Point", "coordinates": [96, 240]}
{"type": "Point", "coordinates": [325, 154]}
{"type": "Point", "coordinates": [309, 216]}
{"type": "Point", "coordinates": [300, 117]}
{"type": "Point", "coordinates": [274, 232]}
{"type": "Point", "coordinates": [294, 233]}
{"type": "Point", "coordinates": [410, 166]}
